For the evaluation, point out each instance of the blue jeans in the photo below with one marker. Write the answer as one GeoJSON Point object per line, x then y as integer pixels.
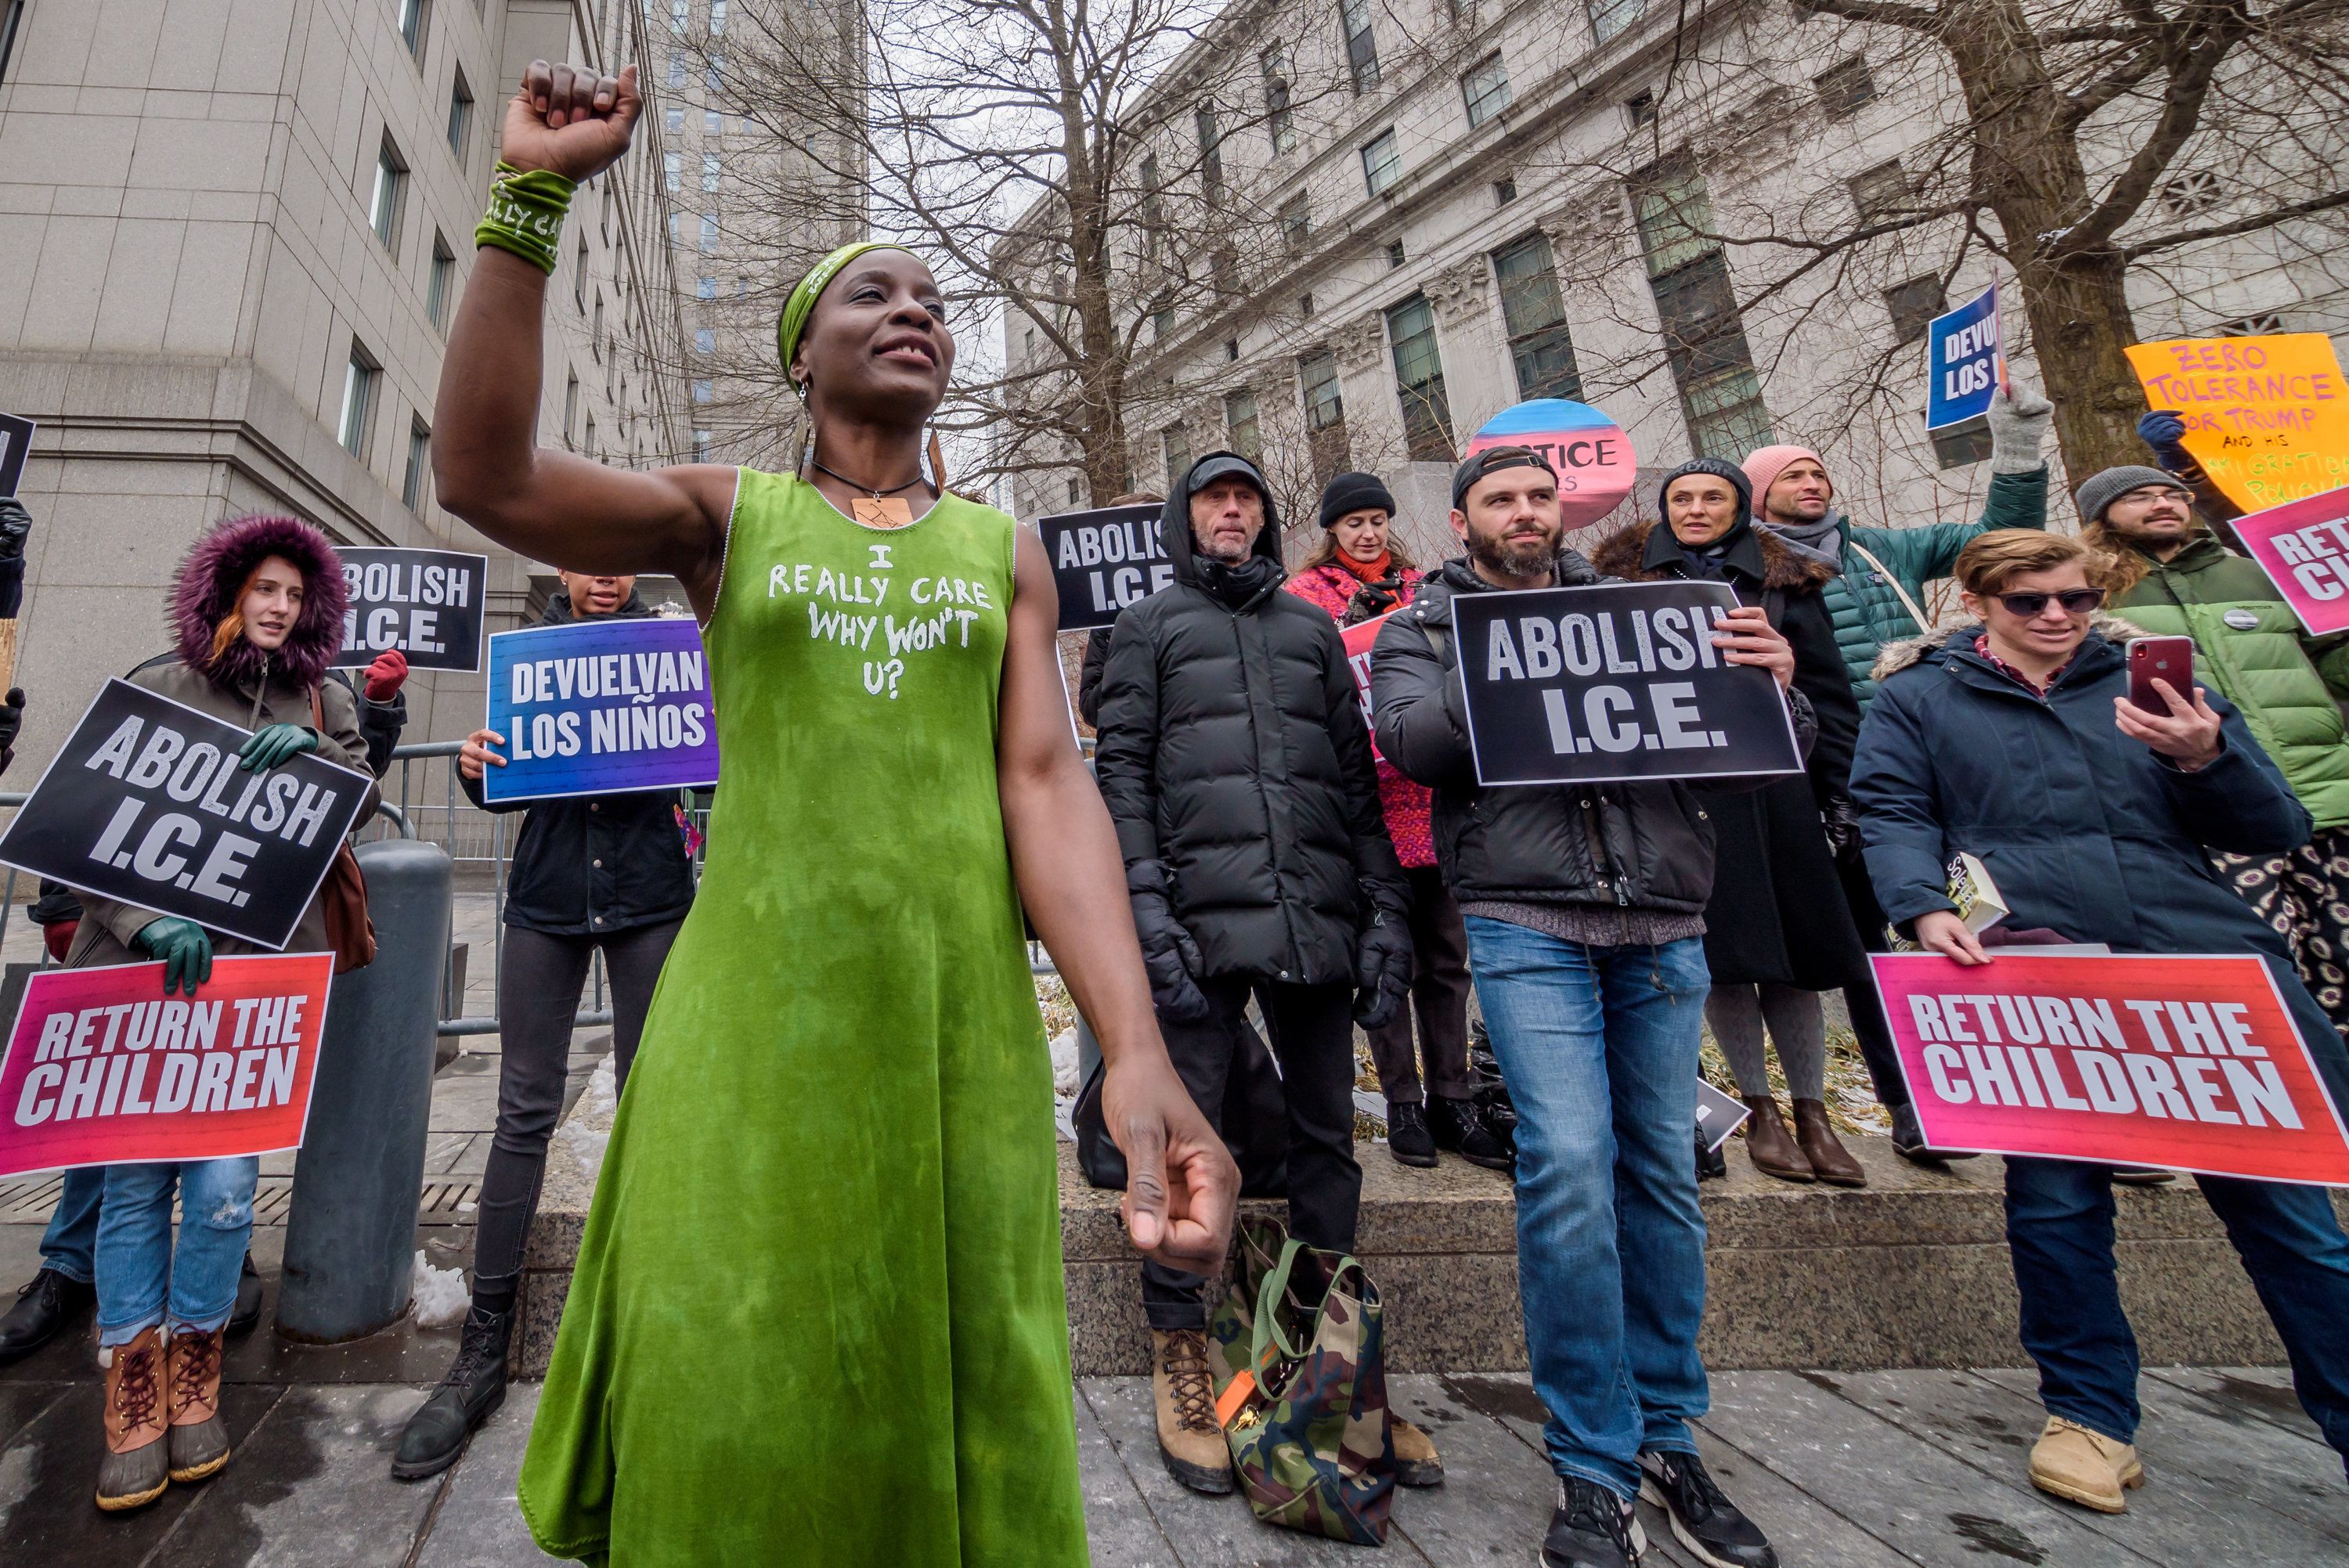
{"type": "Point", "coordinates": [2059, 1227]}
{"type": "Point", "coordinates": [140, 1274]}
{"type": "Point", "coordinates": [1599, 1046]}
{"type": "Point", "coordinates": [70, 1243]}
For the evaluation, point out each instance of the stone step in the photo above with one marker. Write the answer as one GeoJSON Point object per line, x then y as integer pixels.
{"type": "Point", "coordinates": [1910, 1271]}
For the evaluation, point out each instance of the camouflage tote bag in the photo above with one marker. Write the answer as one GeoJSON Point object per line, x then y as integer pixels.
{"type": "Point", "coordinates": [1301, 1386]}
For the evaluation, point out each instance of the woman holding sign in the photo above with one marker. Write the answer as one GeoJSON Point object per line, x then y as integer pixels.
{"type": "Point", "coordinates": [817, 1314]}
{"type": "Point", "coordinates": [257, 609]}
{"type": "Point", "coordinates": [2013, 739]}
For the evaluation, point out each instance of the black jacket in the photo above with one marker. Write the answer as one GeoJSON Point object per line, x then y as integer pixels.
{"type": "Point", "coordinates": [1630, 846]}
{"type": "Point", "coordinates": [590, 865]}
{"type": "Point", "coordinates": [1232, 751]}
{"type": "Point", "coordinates": [1089, 674]}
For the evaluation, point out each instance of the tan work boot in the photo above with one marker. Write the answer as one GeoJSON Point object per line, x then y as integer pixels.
{"type": "Point", "coordinates": [135, 1469]}
{"type": "Point", "coordinates": [198, 1437]}
{"type": "Point", "coordinates": [1190, 1438]}
{"type": "Point", "coordinates": [1416, 1461]}
{"type": "Point", "coordinates": [1767, 1144]}
{"type": "Point", "coordinates": [1830, 1160]}
{"type": "Point", "coordinates": [2084, 1467]}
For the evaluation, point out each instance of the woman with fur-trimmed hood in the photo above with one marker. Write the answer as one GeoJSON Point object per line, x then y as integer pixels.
{"type": "Point", "coordinates": [257, 613]}
{"type": "Point", "coordinates": [1778, 930]}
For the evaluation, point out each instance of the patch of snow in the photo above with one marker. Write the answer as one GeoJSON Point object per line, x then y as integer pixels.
{"type": "Point", "coordinates": [603, 1091]}
{"type": "Point", "coordinates": [1064, 1064]}
{"type": "Point", "coordinates": [438, 1296]}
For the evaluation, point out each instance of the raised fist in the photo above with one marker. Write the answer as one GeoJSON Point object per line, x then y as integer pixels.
{"type": "Point", "coordinates": [570, 120]}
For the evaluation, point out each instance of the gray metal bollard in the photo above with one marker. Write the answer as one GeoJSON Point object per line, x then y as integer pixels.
{"type": "Point", "coordinates": [350, 1235]}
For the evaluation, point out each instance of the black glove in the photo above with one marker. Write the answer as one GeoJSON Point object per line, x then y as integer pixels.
{"type": "Point", "coordinates": [1372, 600]}
{"type": "Point", "coordinates": [1168, 954]}
{"type": "Point", "coordinates": [1382, 963]}
{"type": "Point", "coordinates": [12, 719]}
{"type": "Point", "coordinates": [1841, 819]}
{"type": "Point", "coordinates": [16, 524]}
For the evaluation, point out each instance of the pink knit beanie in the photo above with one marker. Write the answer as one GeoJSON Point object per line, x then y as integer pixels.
{"type": "Point", "coordinates": [1765, 464]}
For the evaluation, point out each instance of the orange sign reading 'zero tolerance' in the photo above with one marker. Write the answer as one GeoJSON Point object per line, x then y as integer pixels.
{"type": "Point", "coordinates": [2267, 417]}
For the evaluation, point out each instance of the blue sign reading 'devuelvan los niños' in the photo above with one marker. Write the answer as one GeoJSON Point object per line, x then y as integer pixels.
{"type": "Point", "coordinates": [595, 708]}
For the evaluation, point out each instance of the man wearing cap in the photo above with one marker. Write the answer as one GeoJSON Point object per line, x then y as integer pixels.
{"type": "Point", "coordinates": [1585, 910]}
{"type": "Point", "coordinates": [2172, 578]}
{"type": "Point", "coordinates": [1238, 770]}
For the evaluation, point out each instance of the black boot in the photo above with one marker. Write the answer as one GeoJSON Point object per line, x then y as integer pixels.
{"type": "Point", "coordinates": [1407, 1135]}
{"type": "Point", "coordinates": [1463, 1127]}
{"type": "Point", "coordinates": [247, 1313]}
{"type": "Point", "coordinates": [1908, 1141]}
{"type": "Point", "coordinates": [1591, 1527]}
{"type": "Point", "coordinates": [43, 1307]}
{"type": "Point", "coordinates": [475, 1386]}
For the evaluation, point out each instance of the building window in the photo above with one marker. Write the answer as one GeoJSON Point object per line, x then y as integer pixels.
{"type": "Point", "coordinates": [1880, 193]}
{"type": "Point", "coordinates": [1504, 191]}
{"type": "Point", "coordinates": [705, 340]}
{"type": "Point", "coordinates": [709, 231]}
{"type": "Point", "coordinates": [419, 467]}
{"type": "Point", "coordinates": [673, 120]}
{"type": "Point", "coordinates": [1305, 306]}
{"type": "Point", "coordinates": [676, 68]}
{"type": "Point", "coordinates": [1382, 161]}
{"type": "Point", "coordinates": [1174, 448]}
{"type": "Point", "coordinates": [412, 17]}
{"type": "Point", "coordinates": [674, 238]}
{"type": "Point", "coordinates": [1241, 424]}
{"type": "Point", "coordinates": [595, 335]}
{"type": "Point", "coordinates": [1211, 153]}
{"type": "Point", "coordinates": [1395, 254]}
{"type": "Point", "coordinates": [1231, 350]}
{"type": "Point", "coordinates": [1486, 89]}
{"type": "Point", "coordinates": [1325, 401]}
{"type": "Point", "coordinates": [713, 121]}
{"type": "Point", "coordinates": [1914, 305]}
{"type": "Point", "coordinates": [589, 443]}
{"type": "Point", "coordinates": [705, 287]}
{"type": "Point", "coordinates": [1705, 336]}
{"type": "Point", "coordinates": [717, 17]}
{"type": "Point", "coordinates": [710, 171]}
{"type": "Point", "coordinates": [700, 446]}
{"type": "Point", "coordinates": [1279, 119]}
{"type": "Point", "coordinates": [1609, 17]}
{"type": "Point", "coordinates": [579, 279]}
{"type": "Point", "coordinates": [1075, 491]}
{"type": "Point", "coordinates": [1639, 108]}
{"type": "Point", "coordinates": [1153, 214]}
{"type": "Point", "coordinates": [1844, 87]}
{"type": "Point", "coordinates": [680, 15]}
{"type": "Point", "coordinates": [713, 72]}
{"type": "Point", "coordinates": [1536, 317]}
{"type": "Point", "coordinates": [701, 390]}
{"type": "Point", "coordinates": [443, 272]}
{"type": "Point", "coordinates": [390, 194]}
{"type": "Point", "coordinates": [1295, 223]}
{"type": "Point", "coordinates": [1419, 381]}
{"type": "Point", "coordinates": [359, 401]}
{"type": "Point", "coordinates": [672, 170]}
{"type": "Point", "coordinates": [1161, 323]}
{"type": "Point", "coordinates": [1361, 48]}
{"type": "Point", "coordinates": [570, 408]}
{"type": "Point", "coordinates": [2197, 191]}
{"type": "Point", "coordinates": [461, 115]}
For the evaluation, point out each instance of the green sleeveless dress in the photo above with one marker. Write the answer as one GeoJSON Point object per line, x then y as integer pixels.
{"type": "Point", "coordinates": [818, 1314]}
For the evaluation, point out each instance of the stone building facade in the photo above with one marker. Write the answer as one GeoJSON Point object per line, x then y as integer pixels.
{"type": "Point", "coordinates": [237, 235]}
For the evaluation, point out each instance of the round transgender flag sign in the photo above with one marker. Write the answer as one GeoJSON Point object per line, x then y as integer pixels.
{"type": "Point", "coordinates": [1590, 452]}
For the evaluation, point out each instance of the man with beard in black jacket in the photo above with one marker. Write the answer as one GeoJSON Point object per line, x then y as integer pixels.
{"type": "Point", "coordinates": [1585, 909]}
{"type": "Point", "coordinates": [1238, 771]}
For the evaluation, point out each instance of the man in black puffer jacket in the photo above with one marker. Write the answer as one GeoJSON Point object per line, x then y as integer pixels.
{"type": "Point", "coordinates": [1238, 771]}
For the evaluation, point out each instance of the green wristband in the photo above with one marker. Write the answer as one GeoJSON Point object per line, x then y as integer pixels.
{"type": "Point", "coordinates": [525, 214]}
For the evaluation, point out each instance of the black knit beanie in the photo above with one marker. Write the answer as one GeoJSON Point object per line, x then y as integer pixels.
{"type": "Point", "coordinates": [1719, 469]}
{"type": "Point", "coordinates": [1353, 492]}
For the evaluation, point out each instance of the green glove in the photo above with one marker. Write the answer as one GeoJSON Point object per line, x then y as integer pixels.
{"type": "Point", "coordinates": [277, 745]}
{"type": "Point", "coordinates": [185, 947]}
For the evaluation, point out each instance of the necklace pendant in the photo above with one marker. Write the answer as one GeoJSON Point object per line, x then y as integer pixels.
{"type": "Point", "coordinates": [881, 511]}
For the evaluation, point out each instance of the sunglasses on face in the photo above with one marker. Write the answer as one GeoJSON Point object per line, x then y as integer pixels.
{"type": "Point", "coordinates": [2075, 602]}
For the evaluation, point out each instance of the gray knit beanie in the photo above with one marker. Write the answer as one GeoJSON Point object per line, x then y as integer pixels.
{"type": "Point", "coordinates": [2099, 491]}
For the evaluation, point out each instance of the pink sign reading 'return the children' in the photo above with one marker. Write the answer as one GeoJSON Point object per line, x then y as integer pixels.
{"type": "Point", "coordinates": [2303, 547]}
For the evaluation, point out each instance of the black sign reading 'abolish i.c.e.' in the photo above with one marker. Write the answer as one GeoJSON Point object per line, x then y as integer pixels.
{"type": "Point", "coordinates": [147, 803]}
{"type": "Point", "coordinates": [1619, 680]}
{"type": "Point", "coordinates": [1104, 560]}
{"type": "Point", "coordinates": [427, 603]}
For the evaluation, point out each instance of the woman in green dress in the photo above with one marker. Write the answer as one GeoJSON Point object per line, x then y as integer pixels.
{"type": "Point", "coordinates": [817, 1314]}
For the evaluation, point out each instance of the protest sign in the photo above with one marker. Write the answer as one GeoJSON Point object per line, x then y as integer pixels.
{"type": "Point", "coordinates": [147, 803]}
{"type": "Point", "coordinates": [1104, 560]}
{"type": "Point", "coordinates": [1963, 361]}
{"type": "Point", "coordinates": [598, 707]}
{"type": "Point", "coordinates": [103, 1068]}
{"type": "Point", "coordinates": [1360, 638]}
{"type": "Point", "coordinates": [1718, 1115]}
{"type": "Point", "coordinates": [2267, 417]}
{"type": "Point", "coordinates": [2184, 1061]}
{"type": "Point", "coordinates": [1595, 469]}
{"type": "Point", "coordinates": [427, 603]}
{"type": "Point", "coordinates": [16, 446]}
{"type": "Point", "coordinates": [2303, 547]}
{"type": "Point", "coordinates": [1621, 681]}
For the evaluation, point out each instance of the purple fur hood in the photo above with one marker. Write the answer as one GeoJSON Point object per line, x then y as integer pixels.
{"type": "Point", "coordinates": [215, 569]}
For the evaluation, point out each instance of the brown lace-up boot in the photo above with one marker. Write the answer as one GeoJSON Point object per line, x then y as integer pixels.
{"type": "Point", "coordinates": [1830, 1161]}
{"type": "Point", "coordinates": [198, 1437]}
{"type": "Point", "coordinates": [1770, 1148]}
{"type": "Point", "coordinates": [136, 1468]}
{"type": "Point", "coordinates": [1190, 1438]}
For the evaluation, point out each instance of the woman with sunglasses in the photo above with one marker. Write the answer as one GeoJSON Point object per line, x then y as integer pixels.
{"type": "Point", "coordinates": [2012, 738]}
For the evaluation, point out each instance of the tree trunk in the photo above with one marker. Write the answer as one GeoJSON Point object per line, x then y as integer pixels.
{"type": "Point", "coordinates": [2080, 324]}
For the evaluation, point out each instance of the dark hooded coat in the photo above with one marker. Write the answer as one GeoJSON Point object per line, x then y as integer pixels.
{"type": "Point", "coordinates": [590, 865]}
{"type": "Point", "coordinates": [250, 687]}
{"type": "Point", "coordinates": [1777, 912]}
{"type": "Point", "coordinates": [1232, 751]}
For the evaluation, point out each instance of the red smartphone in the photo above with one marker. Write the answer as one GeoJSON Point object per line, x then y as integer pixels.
{"type": "Point", "coordinates": [2169, 658]}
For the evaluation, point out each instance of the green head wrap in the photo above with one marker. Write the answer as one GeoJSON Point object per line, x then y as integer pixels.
{"type": "Point", "coordinates": [802, 303]}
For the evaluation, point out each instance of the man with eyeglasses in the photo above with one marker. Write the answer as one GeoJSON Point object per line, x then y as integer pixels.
{"type": "Point", "coordinates": [2174, 578]}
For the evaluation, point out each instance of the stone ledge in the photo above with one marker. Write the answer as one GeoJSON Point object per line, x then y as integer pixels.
{"type": "Point", "coordinates": [1910, 1271]}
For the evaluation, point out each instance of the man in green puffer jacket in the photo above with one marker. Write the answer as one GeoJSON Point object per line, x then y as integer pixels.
{"type": "Point", "coordinates": [2175, 580]}
{"type": "Point", "coordinates": [1793, 499]}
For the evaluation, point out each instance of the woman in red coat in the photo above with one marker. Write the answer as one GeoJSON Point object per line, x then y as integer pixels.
{"type": "Point", "coordinates": [1359, 572]}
